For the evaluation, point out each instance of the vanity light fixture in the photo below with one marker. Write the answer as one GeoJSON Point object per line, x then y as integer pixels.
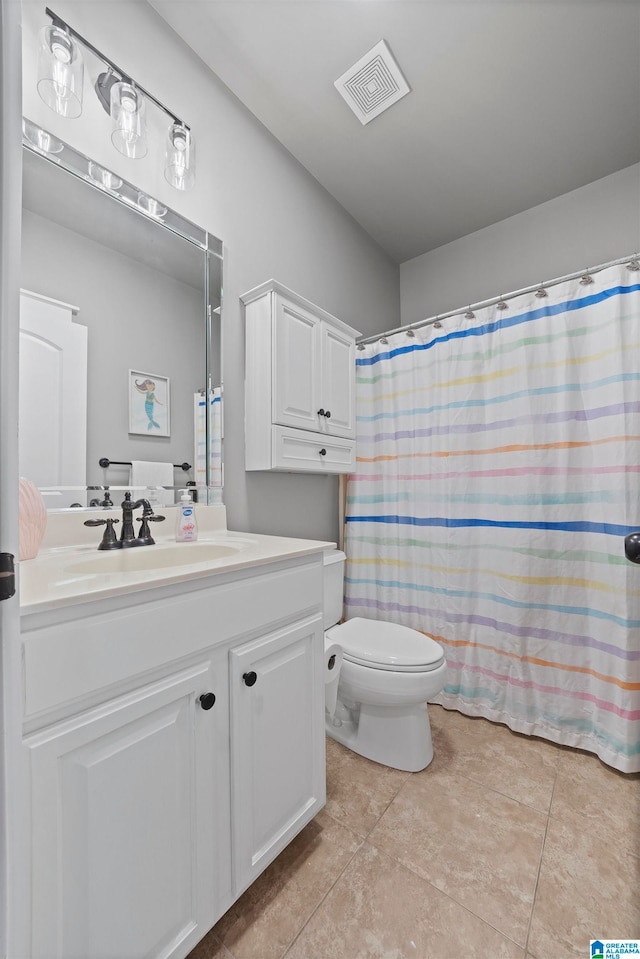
{"type": "Point", "coordinates": [60, 85]}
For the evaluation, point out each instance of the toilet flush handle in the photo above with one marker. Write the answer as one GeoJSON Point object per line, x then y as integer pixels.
{"type": "Point", "coordinates": [250, 678]}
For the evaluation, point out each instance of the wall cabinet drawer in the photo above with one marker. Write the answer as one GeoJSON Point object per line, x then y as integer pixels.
{"type": "Point", "coordinates": [301, 450]}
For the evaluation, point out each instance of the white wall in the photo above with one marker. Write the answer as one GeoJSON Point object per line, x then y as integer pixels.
{"type": "Point", "coordinates": [275, 220]}
{"type": "Point", "coordinates": [594, 224]}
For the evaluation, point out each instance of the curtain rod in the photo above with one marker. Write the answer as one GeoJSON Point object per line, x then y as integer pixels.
{"type": "Point", "coordinates": [583, 274]}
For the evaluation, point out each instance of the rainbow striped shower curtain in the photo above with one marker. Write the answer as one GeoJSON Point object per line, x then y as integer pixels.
{"type": "Point", "coordinates": [498, 473]}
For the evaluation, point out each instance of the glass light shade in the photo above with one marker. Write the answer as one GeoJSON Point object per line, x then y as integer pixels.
{"type": "Point", "coordinates": [40, 139]}
{"type": "Point", "coordinates": [180, 157]}
{"type": "Point", "coordinates": [151, 206]}
{"type": "Point", "coordinates": [60, 72]}
{"type": "Point", "coordinates": [103, 177]}
{"type": "Point", "coordinates": [128, 118]}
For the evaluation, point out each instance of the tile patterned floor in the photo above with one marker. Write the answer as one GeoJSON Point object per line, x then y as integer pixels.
{"type": "Point", "coordinates": [504, 847]}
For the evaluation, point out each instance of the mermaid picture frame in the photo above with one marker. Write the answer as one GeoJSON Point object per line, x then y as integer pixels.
{"type": "Point", "coordinates": [149, 404]}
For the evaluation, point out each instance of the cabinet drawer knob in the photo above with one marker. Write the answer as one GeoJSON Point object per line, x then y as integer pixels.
{"type": "Point", "coordinates": [207, 700]}
{"type": "Point", "coordinates": [323, 452]}
{"type": "Point", "coordinates": [327, 415]}
{"type": "Point", "coordinates": [321, 412]}
{"type": "Point", "coordinates": [250, 678]}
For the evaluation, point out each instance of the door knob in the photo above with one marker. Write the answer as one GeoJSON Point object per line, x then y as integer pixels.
{"type": "Point", "coordinates": [323, 452]}
{"type": "Point", "coordinates": [250, 678]}
{"type": "Point", "coordinates": [321, 412]}
{"type": "Point", "coordinates": [327, 415]}
{"type": "Point", "coordinates": [207, 700]}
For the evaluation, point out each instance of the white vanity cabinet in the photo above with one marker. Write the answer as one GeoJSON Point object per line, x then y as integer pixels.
{"type": "Point", "coordinates": [299, 384]}
{"type": "Point", "coordinates": [176, 745]}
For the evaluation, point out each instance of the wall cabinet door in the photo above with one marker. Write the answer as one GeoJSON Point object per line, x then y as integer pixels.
{"type": "Point", "coordinates": [314, 363]}
{"type": "Point", "coordinates": [124, 855]}
{"type": "Point", "coordinates": [338, 382]}
{"type": "Point", "coordinates": [277, 743]}
{"type": "Point", "coordinates": [296, 366]}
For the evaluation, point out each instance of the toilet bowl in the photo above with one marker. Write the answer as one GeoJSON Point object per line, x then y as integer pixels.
{"type": "Point", "coordinates": [388, 673]}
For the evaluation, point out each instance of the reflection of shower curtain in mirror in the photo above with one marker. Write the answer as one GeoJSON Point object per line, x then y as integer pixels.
{"type": "Point", "coordinates": [498, 470]}
{"type": "Point", "coordinates": [215, 439]}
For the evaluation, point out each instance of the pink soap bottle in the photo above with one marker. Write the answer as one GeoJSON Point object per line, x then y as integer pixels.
{"type": "Point", "coordinates": [186, 524]}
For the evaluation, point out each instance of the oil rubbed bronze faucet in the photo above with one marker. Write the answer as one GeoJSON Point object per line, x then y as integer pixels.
{"type": "Point", "coordinates": [128, 536]}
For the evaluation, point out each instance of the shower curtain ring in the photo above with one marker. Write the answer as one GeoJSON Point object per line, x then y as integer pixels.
{"type": "Point", "coordinates": [586, 279]}
{"type": "Point", "coordinates": [540, 292]}
{"type": "Point", "coordinates": [437, 325]}
{"type": "Point", "coordinates": [469, 315]}
{"type": "Point", "coordinates": [410, 332]}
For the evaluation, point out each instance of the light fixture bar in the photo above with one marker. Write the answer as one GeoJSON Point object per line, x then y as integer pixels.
{"type": "Point", "coordinates": [59, 22]}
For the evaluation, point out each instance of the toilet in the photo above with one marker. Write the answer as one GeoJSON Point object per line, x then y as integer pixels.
{"type": "Point", "coordinates": [388, 673]}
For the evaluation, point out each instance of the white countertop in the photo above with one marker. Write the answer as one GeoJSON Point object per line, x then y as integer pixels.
{"type": "Point", "coordinates": [72, 573]}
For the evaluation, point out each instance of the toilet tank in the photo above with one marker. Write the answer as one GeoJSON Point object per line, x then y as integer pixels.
{"type": "Point", "coordinates": [334, 560]}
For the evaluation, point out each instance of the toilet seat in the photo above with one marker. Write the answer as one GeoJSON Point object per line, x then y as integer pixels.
{"type": "Point", "coordinates": [390, 646]}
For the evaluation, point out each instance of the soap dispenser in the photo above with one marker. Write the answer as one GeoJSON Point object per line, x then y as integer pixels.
{"type": "Point", "coordinates": [186, 524]}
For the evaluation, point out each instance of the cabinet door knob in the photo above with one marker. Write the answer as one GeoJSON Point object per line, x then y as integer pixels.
{"type": "Point", "coordinates": [207, 700]}
{"type": "Point", "coordinates": [323, 452]}
{"type": "Point", "coordinates": [250, 678]}
{"type": "Point", "coordinates": [327, 415]}
{"type": "Point", "coordinates": [321, 412]}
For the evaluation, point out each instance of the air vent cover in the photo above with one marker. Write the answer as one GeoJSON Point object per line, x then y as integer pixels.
{"type": "Point", "coordinates": [372, 84]}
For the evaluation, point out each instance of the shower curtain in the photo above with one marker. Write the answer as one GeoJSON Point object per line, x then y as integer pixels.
{"type": "Point", "coordinates": [497, 474]}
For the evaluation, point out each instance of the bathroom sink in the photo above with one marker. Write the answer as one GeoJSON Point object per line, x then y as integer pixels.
{"type": "Point", "coordinates": [140, 558]}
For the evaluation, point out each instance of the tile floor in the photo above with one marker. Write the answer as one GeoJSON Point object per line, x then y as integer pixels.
{"type": "Point", "coordinates": [504, 847]}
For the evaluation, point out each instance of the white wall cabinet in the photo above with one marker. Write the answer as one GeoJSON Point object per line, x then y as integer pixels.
{"type": "Point", "coordinates": [299, 379]}
{"type": "Point", "coordinates": [153, 806]}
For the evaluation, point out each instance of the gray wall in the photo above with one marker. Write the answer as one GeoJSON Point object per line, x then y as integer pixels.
{"type": "Point", "coordinates": [138, 318]}
{"type": "Point", "coordinates": [594, 224]}
{"type": "Point", "coordinates": [275, 220]}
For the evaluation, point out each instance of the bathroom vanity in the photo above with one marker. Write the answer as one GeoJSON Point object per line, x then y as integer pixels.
{"type": "Point", "coordinates": [174, 724]}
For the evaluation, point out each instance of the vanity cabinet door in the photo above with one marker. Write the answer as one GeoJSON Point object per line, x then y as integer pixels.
{"type": "Point", "coordinates": [125, 857]}
{"type": "Point", "coordinates": [277, 743]}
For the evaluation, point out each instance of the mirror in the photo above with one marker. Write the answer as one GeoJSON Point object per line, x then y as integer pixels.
{"type": "Point", "coordinates": [120, 337]}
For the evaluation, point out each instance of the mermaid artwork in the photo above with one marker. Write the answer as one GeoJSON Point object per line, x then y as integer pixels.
{"type": "Point", "coordinates": [148, 388]}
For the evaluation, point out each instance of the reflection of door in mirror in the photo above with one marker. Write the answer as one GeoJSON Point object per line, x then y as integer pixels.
{"type": "Point", "coordinates": [53, 394]}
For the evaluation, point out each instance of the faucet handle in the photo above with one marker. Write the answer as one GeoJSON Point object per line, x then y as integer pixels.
{"type": "Point", "coordinates": [144, 536]}
{"type": "Point", "coordinates": [109, 539]}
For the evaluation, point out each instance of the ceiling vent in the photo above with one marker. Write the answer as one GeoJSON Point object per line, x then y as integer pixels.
{"type": "Point", "coordinates": [372, 84]}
